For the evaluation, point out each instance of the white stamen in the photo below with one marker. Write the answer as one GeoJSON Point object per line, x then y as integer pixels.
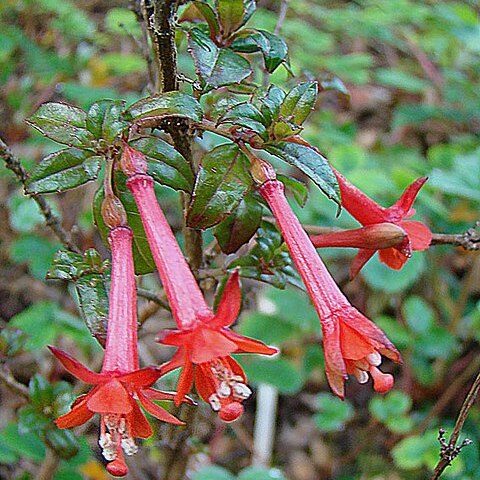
{"type": "Point", "coordinates": [109, 450]}
{"type": "Point", "coordinates": [224, 390]}
{"type": "Point", "coordinates": [240, 390]}
{"type": "Point", "coordinates": [236, 378]}
{"type": "Point", "coordinates": [214, 402]}
{"type": "Point", "coordinates": [361, 375]}
{"type": "Point", "coordinates": [129, 446]}
{"type": "Point", "coordinates": [111, 421]}
{"type": "Point", "coordinates": [121, 426]}
{"type": "Point", "coordinates": [374, 359]}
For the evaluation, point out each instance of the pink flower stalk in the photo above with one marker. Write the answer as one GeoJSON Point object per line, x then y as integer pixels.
{"type": "Point", "coordinates": [120, 384]}
{"type": "Point", "coordinates": [203, 338]}
{"type": "Point", "coordinates": [417, 235]}
{"type": "Point", "coordinates": [352, 343]}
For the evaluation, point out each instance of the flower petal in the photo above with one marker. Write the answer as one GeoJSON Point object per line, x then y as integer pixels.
{"type": "Point", "coordinates": [393, 258]}
{"type": "Point", "coordinates": [230, 303]}
{"type": "Point", "coordinates": [354, 345]}
{"type": "Point", "coordinates": [208, 344]}
{"type": "Point", "coordinates": [184, 382]}
{"type": "Point", "coordinates": [178, 359]}
{"type": "Point", "coordinates": [358, 205]}
{"type": "Point", "coordinates": [175, 338]}
{"type": "Point", "coordinates": [78, 415]}
{"type": "Point", "coordinates": [157, 411]}
{"type": "Point", "coordinates": [402, 208]}
{"type": "Point", "coordinates": [111, 398]}
{"type": "Point", "coordinates": [204, 382]}
{"type": "Point", "coordinates": [78, 370]}
{"type": "Point", "coordinates": [419, 234]}
{"type": "Point", "coordinates": [140, 428]}
{"type": "Point", "coordinates": [143, 377]}
{"type": "Point", "coordinates": [361, 258]}
{"type": "Point", "coordinates": [249, 345]}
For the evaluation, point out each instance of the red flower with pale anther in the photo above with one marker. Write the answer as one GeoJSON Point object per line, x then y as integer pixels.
{"type": "Point", "coordinates": [203, 338]}
{"type": "Point", "coordinates": [417, 235]}
{"type": "Point", "coordinates": [204, 355]}
{"type": "Point", "coordinates": [120, 384]}
{"type": "Point", "coordinates": [352, 343]}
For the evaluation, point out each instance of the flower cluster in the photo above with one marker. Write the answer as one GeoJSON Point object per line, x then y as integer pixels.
{"type": "Point", "coordinates": [204, 342]}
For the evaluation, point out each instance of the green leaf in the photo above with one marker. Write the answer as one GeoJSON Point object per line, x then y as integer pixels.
{"type": "Point", "coordinates": [383, 278]}
{"type": "Point", "coordinates": [213, 472]}
{"type": "Point", "coordinates": [296, 187]}
{"type": "Point", "coordinates": [391, 405]}
{"type": "Point", "coordinates": [418, 314]}
{"type": "Point", "coordinates": [40, 391]}
{"type": "Point", "coordinates": [261, 473]}
{"type": "Point", "coordinates": [104, 119]}
{"type": "Point", "coordinates": [63, 123]}
{"type": "Point", "coordinates": [22, 248]}
{"type": "Point", "coordinates": [170, 104]}
{"type": "Point", "coordinates": [24, 214]}
{"type": "Point", "coordinates": [408, 453]}
{"type": "Point", "coordinates": [333, 413]}
{"type": "Point", "coordinates": [272, 47]}
{"type": "Point", "coordinates": [63, 170]}
{"type": "Point", "coordinates": [392, 77]}
{"type": "Point", "coordinates": [28, 446]}
{"type": "Point", "coordinates": [230, 15]}
{"type": "Point", "coordinates": [209, 15]}
{"type": "Point", "coordinates": [259, 326]}
{"type": "Point", "coordinates": [142, 255]}
{"type": "Point", "coordinates": [248, 116]}
{"type": "Point", "coordinates": [278, 372]}
{"type": "Point", "coordinates": [310, 162]}
{"type": "Point", "coordinates": [216, 66]}
{"type": "Point", "coordinates": [91, 279]}
{"type": "Point", "coordinates": [299, 102]}
{"type": "Point", "coordinates": [269, 104]}
{"type": "Point", "coordinates": [32, 420]}
{"type": "Point", "coordinates": [165, 164]}
{"type": "Point", "coordinates": [240, 226]}
{"type": "Point", "coordinates": [222, 181]}
{"type": "Point", "coordinates": [268, 261]}
{"type": "Point", "coordinates": [62, 442]}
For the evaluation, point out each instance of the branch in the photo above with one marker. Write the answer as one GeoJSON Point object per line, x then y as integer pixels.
{"type": "Point", "coordinates": [449, 451]}
{"type": "Point", "coordinates": [51, 220]}
{"type": "Point", "coordinates": [148, 295]}
{"type": "Point", "coordinates": [7, 378]}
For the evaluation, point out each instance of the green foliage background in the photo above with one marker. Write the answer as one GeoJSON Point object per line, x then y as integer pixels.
{"type": "Point", "coordinates": [413, 109]}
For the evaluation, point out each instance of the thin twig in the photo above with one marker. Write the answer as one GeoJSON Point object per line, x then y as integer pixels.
{"type": "Point", "coordinates": [51, 220]}
{"type": "Point", "coordinates": [49, 466]}
{"type": "Point", "coordinates": [450, 451]}
{"type": "Point", "coordinates": [8, 380]}
{"type": "Point", "coordinates": [147, 294]}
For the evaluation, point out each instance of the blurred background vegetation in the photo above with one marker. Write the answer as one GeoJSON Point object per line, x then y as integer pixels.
{"type": "Point", "coordinates": [411, 69]}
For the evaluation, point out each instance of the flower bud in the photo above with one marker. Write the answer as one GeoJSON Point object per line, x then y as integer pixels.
{"type": "Point", "coordinates": [113, 212]}
{"type": "Point", "coordinates": [132, 161]}
{"type": "Point", "coordinates": [262, 171]}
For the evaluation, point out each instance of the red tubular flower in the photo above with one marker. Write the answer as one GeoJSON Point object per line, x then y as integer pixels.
{"type": "Point", "coordinates": [204, 342]}
{"type": "Point", "coordinates": [121, 383]}
{"type": "Point", "coordinates": [352, 343]}
{"type": "Point", "coordinates": [368, 212]}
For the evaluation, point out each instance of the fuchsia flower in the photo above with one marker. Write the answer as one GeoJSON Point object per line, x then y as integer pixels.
{"type": "Point", "coordinates": [120, 384]}
{"type": "Point", "coordinates": [417, 236]}
{"type": "Point", "coordinates": [352, 343]}
{"type": "Point", "coordinates": [204, 342]}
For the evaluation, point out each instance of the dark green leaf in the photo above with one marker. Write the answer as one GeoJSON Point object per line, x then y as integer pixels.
{"type": "Point", "coordinates": [142, 255]}
{"type": "Point", "coordinates": [230, 15]}
{"type": "Point", "coordinates": [40, 391]}
{"type": "Point", "coordinates": [209, 15]}
{"type": "Point", "coordinates": [277, 372]}
{"type": "Point", "coordinates": [299, 102]}
{"type": "Point", "coordinates": [273, 48]}
{"type": "Point", "coordinates": [298, 189]}
{"type": "Point", "coordinates": [222, 181]}
{"type": "Point", "coordinates": [62, 442]}
{"type": "Point", "coordinates": [269, 104]}
{"type": "Point", "coordinates": [63, 170]}
{"type": "Point", "coordinates": [216, 66]}
{"type": "Point", "coordinates": [240, 226]}
{"type": "Point", "coordinates": [165, 164]}
{"type": "Point", "coordinates": [29, 446]}
{"type": "Point", "coordinates": [104, 119]}
{"type": "Point", "coordinates": [170, 104]}
{"type": "Point", "coordinates": [248, 116]}
{"type": "Point", "coordinates": [63, 123]}
{"type": "Point", "coordinates": [333, 413]}
{"type": "Point", "coordinates": [310, 162]}
{"type": "Point", "coordinates": [32, 420]}
{"type": "Point", "coordinates": [91, 279]}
